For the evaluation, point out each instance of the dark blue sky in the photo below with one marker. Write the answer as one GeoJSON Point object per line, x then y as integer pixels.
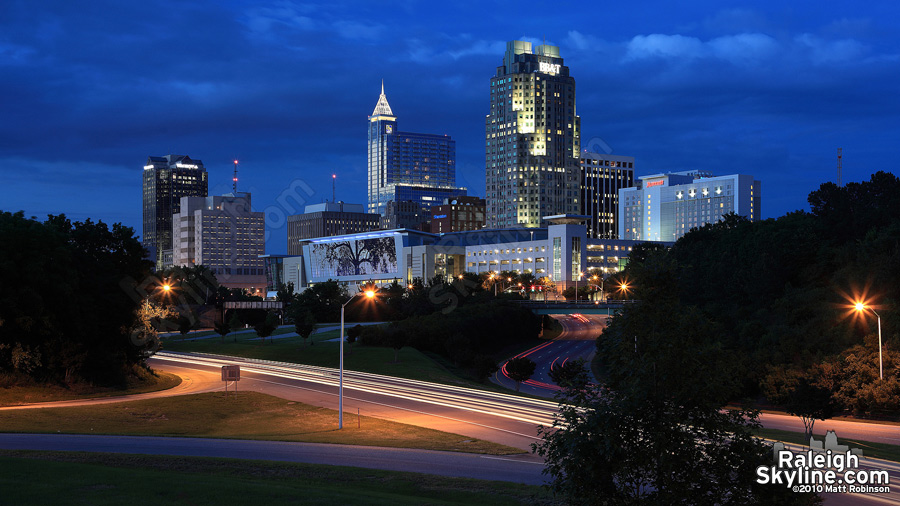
{"type": "Point", "coordinates": [89, 89]}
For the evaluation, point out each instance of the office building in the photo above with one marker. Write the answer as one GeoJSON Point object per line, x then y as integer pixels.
{"type": "Point", "coordinates": [406, 214]}
{"type": "Point", "coordinates": [326, 219]}
{"type": "Point", "coordinates": [532, 139]}
{"type": "Point", "coordinates": [225, 235]}
{"type": "Point", "coordinates": [166, 180]}
{"type": "Point", "coordinates": [602, 176]}
{"type": "Point", "coordinates": [396, 159]}
{"type": "Point", "coordinates": [664, 207]}
{"type": "Point", "coordinates": [457, 215]}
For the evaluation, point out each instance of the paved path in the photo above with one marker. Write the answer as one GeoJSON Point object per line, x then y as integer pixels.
{"type": "Point", "coordinates": [518, 469]}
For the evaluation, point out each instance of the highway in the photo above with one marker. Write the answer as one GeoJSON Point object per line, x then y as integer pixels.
{"type": "Point", "coordinates": [577, 340]}
{"type": "Point", "coordinates": [503, 418]}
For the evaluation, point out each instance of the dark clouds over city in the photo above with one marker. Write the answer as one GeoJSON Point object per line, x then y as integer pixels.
{"type": "Point", "coordinates": [90, 89]}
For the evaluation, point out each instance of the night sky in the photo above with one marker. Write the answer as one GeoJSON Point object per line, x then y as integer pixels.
{"type": "Point", "coordinates": [89, 89]}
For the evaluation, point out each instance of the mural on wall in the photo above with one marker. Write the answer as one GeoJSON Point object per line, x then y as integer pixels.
{"type": "Point", "coordinates": [354, 258]}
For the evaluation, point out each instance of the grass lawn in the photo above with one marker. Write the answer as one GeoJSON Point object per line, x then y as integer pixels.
{"type": "Point", "coordinates": [52, 478]}
{"type": "Point", "coordinates": [250, 415]}
{"type": "Point", "coordinates": [26, 394]}
{"type": "Point", "coordinates": [875, 450]}
{"type": "Point", "coordinates": [320, 352]}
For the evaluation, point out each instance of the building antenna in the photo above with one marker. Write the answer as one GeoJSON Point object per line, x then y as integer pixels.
{"type": "Point", "coordinates": [840, 150]}
{"type": "Point", "coordinates": [234, 180]}
{"type": "Point", "coordinates": [333, 179]}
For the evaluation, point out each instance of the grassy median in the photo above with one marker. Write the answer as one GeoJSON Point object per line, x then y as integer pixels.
{"type": "Point", "coordinates": [321, 350]}
{"type": "Point", "coordinates": [249, 415]}
{"type": "Point", "coordinates": [52, 478]}
{"type": "Point", "coordinates": [26, 394]}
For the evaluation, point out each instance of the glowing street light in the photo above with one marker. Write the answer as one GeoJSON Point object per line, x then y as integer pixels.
{"type": "Point", "coordinates": [860, 308]}
{"type": "Point", "coordinates": [369, 294]}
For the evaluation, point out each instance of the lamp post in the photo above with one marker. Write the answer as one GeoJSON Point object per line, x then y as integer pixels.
{"type": "Point", "coordinates": [369, 294]}
{"type": "Point", "coordinates": [862, 307]}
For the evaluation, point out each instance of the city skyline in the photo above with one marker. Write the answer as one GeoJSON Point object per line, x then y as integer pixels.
{"type": "Point", "coordinates": [282, 87]}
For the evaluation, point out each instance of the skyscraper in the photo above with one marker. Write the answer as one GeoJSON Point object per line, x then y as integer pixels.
{"type": "Point", "coordinates": [532, 139]}
{"type": "Point", "coordinates": [166, 180]}
{"type": "Point", "coordinates": [407, 166]}
{"type": "Point", "coordinates": [602, 176]}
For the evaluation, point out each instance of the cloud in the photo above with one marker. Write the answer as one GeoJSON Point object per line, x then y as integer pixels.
{"type": "Point", "coordinates": [14, 54]}
{"type": "Point", "coordinates": [657, 45]}
{"type": "Point", "coordinates": [744, 47]}
{"type": "Point", "coordinates": [823, 51]}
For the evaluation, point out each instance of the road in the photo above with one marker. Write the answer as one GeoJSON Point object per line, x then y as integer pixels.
{"type": "Point", "coordinates": [492, 416]}
{"type": "Point", "coordinates": [577, 340]}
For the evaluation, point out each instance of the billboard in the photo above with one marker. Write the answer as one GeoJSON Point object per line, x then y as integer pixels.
{"type": "Point", "coordinates": [353, 257]}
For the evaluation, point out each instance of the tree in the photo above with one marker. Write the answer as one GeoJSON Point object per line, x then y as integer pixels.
{"type": "Point", "coordinates": [186, 323]}
{"type": "Point", "coordinates": [396, 337]}
{"type": "Point", "coordinates": [285, 293]}
{"type": "Point", "coordinates": [235, 322]}
{"type": "Point", "coordinates": [265, 328]}
{"type": "Point", "coordinates": [68, 299]}
{"type": "Point", "coordinates": [520, 369]}
{"type": "Point", "coordinates": [304, 324]}
{"type": "Point", "coordinates": [483, 366]}
{"type": "Point", "coordinates": [569, 374]}
{"type": "Point", "coordinates": [222, 329]}
{"type": "Point", "coordinates": [353, 334]}
{"type": "Point", "coordinates": [655, 431]}
{"type": "Point", "coordinates": [800, 394]}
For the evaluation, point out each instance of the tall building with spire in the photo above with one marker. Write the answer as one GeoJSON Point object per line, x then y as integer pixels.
{"type": "Point", "coordinates": [532, 139]}
{"type": "Point", "coordinates": [406, 166]}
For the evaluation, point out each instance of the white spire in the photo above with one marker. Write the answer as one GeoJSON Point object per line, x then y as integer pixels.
{"type": "Point", "coordinates": [382, 108]}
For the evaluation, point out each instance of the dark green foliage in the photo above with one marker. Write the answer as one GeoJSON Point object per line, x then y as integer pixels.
{"type": "Point", "coordinates": [569, 374]}
{"type": "Point", "coordinates": [304, 324]}
{"type": "Point", "coordinates": [654, 431]}
{"type": "Point", "coordinates": [268, 325]}
{"type": "Point", "coordinates": [483, 367]}
{"type": "Point", "coordinates": [235, 321]}
{"type": "Point", "coordinates": [396, 337]}
{"type": "Point", "coordinates": [323, 300]}
{"type": "Point", "coordinates": [353, 333]}
{"type": "Point", "coordinates": [222, 329]}
{"type": "Point", "coordinates": [67, 298]}
{"type": "Point", "coordinates": [780, 290]}
{"type": "Point", "coordinates": [801, 393]}
{"type": "Point", "coordinates": [185, 323]}
{"type": "Point", "coordinates": [520, 369]}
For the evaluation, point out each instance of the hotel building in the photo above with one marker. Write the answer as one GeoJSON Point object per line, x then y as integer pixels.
{"type": "Point", "coordinates": [664, 207]}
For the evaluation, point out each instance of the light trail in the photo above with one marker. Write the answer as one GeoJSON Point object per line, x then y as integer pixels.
{"type": "Point", "coordinates": [522, 409]}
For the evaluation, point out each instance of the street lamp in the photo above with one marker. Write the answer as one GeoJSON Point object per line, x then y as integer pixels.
{"type": "Point", "coordinates": [369, 294]}
{"type": "Point", "coordinates": [493, 282]}
{"type": "Point", "coordinates": [576, 286]}
{"type": "Point", "coordinates": [624, 288]}
{"type": "Point", "coordinates": [860, 307]}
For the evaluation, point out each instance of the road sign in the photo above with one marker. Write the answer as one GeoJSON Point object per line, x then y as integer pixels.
{"type": "Point", "coordinates": [231, 373]}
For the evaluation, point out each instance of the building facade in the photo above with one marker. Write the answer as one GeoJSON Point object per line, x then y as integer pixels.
{"type": "Point", "coordinates": [457, 215]}
{"type": "Point", "coordinates": [326, 219]}
{"type": "Point", "coordinates": [414, 160]}
{"type": "Point", "coordinates": [664, 207]}
{"type": "Point", "coordinates": [225, 235]}
{"type": "Point", "coordinates": [561, 252]}
{"type": "Point", "coordinates": [532, 139]}
{"type": "Point", "coordinates": [165, 180]}
{"type": "Point", "coordinates": [602, 176]}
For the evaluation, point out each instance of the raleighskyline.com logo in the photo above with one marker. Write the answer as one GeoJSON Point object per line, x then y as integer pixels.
{"type": "Point", "coordinates": [828, 467]}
